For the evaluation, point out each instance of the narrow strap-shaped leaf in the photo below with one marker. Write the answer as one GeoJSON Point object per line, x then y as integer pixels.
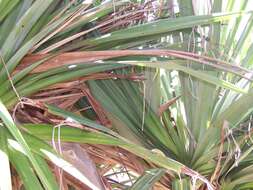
{"type": "Point", "coordinates": [6, 7]}
{"type": "Point", "coordinates": [23, 26]}
{"type": "Point", "coordinates": [22, 51]}
{"type": "Point", "coordinates": [155, 28]}
{"type": "Point", "coordinates": [70, 134]}
{"type": "Point", "coordinates": [196, 73]}
{"type": "Point", "coordinates": [32, 86]}
{"type": "Point", "coordinates": [24, 170]}
{"type": "Point", "coordinates": [148, 179]}
{"type": "Point", "coordinates": [5, 173]}
{"type": "Point", "coordinates": [7, 119]}
{"type": "Point", "coordinates": [21, 74]}
{"type": "Point", "coordinates": [237, 111]}
{"type": "Point", "coordinates": [79, 119]}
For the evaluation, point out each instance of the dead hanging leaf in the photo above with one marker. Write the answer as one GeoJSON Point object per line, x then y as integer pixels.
{"type": "Point", "coordinates": [90, 56]}
{"type": "Point", "coordinates": [81, 160]}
